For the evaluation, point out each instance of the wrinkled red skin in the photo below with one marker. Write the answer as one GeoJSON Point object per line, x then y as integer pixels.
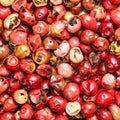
{"type": "Point", "coordinates": [49, 30]}
{"type": "Point", "coordinates": [94, 117]}
{"type": "Point", "coordinates": [14, 84]}
{"type": "Point", "coordinates": [25, 28]}
{"type": "Point", "coordinates": [37, 98]}
{"type": "Point", "coordinates": [103, 55]}
{"type": "Point", "coordinates": [117, 98]}
{"type": "Point", "coordinates": [111, 38]}
{"type": "Point", "coordinates": [32, 81]}
{"type": "Point", "coordinates": [112, 63]}
{"type": "Point", "coordinates": [77, 8]}
{"type": "Point", "coordinates": [64, 113]}
{"type": "Point", "coordinates": [12, 63]}
{"type": "Point", "coordinates": [112, 91]}
{"type": "Point", "coordinates": [34, 41]}
{"type": "Point", "coordinates": [18, 75]}
{"type": "Point", "coordinates": [101, 44]}
{"type": "Point", "coordinates": [58, 12]}
{"type": "Point", "coordinates": [87, 37]}
{"type": "Point", "coordinates": [50, 43]}
{"type": "Point", "coordinates": [4, 51]}
{"type": "Point", "coordinates": [55, 92]}
{"type": "Point", "coordinates": [104, 114]}
{"type": "Point", "coordinates": [41, 13]}
{"type": "Point", "coordinates": [98, 12]}
{"type": "Point", "coordinates": [97, 79]}
{"type": "Point", "coordinates": [18, 4]}
{"type": "Point", "coordinates": [74, 25]}
{"type": "Point", "coordinates": [101, 89]}
{"type": "Point", "coordinates": [1, 41]}
{"type": "Point", "coordinates": [89, 87]}
{"type": "Point", "coordinates": [9, 104]}
{"type": "Point", "coordinates": [61, 117]}
{"type": "Point", "coordinates": [4, 71]}
{"type": "Point", "coordinates": [57, 82]}
{"type": "Point", "coordinates": [45, 70]}
{"type": "Point", "coordinates": [117, 34]}
{"type": "Point", "coordinates": [4, 12]}
{"type": "Point", "coordinates": [80, 100]}
{"type": "Point", "coordinates": [85, 68]}
{"type": "Point", "coordinates": [89, 22]}
{"type": "Point", "coordinates": [8, 116]}
{"type": "Point", "coordinates": [118, 72]}
{"type": "Point", "coordinates": [77, 65]}
{"type": "Point", "coordinates": [98, 24]}
{"type": "Point", "coordinates": [115, 1]}
{"type": "Point", "coordinates": [45, 86]}
{"type": "Point", "coordinates": [40, 28]}
{"type": "Point", "coordinates": [108, 5]}
{"type": "Point", "coordinates": [65, 35]}
{"type": "Point", "coordinates": [87, 98]}
{"type": "Point", "coordinates": [88, 4]}
{"type": "Point", "coordinates": [50, 19]}
{"type": "Point", "coordinates": [94, 70]}
{"type": "Point", "coordinates": [3, 97]}
{"type": "Point", "coordinates": [102, 69]}
{"type": "Point", "coordinates": [104, 99]}
{"type": "Point", "coordinates": [1, 111]}
{"type": "Point", "coordinates": [6, 34]}
{"type": "Point", "coordinates": [43, 114]}
{"type": "Point", "coordinates": [57, 103]}
{"type": "Point", "coordinates": [27, 65]}
{"type": "Point", "coordinates": [115, 16]}
{"type": "Point", "coordinates": [18, 36]}
{"type": "Point", "coordinates": [74, 41]}
{"type": "Point", "coordinates": [85, 48]}
{"type": "Point", "coordinates": [88, 109]}
{"type": "Point", "coordinates": [71, 91]}
{"type": "Point", "coordinates": [29, 5]}
{"type": "Point", "coordinates": [107, 17]}
{"type": "Point", "coordinates": [4, 84]}
{"type": "Point", "coordinates": [27, 17]}
{"type": "Point", "coordinates": [76, 77]}
{"type": "Point", "coordinates": [26, 111]}
{"type": "Point", "coordinates": [106, 28]}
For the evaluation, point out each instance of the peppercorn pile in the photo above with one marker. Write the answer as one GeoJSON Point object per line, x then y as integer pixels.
{"type": "Point", "coordinates": [59, 59]}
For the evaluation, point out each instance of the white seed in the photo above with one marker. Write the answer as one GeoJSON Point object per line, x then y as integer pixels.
{"type": "Point", "coordinates": [6, 2]}
{"type": "Point", "coordinates": [73, 108]}
{"type": "Point", "coordinates": [76, 55]}
{"type": "Point", "coordinates": [63, 49]}
{"type": "Point", "coordinates": [12, 21]}
{"type": "Point", "coordinates": [39, 3]}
